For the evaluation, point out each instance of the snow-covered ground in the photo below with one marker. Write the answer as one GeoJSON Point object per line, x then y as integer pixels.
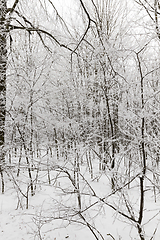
{"type": "Point", "coordinates": [53, 211]}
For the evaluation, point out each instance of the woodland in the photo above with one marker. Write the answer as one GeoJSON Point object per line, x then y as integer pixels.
{"type": "Point", "coordinates": [80, 118]}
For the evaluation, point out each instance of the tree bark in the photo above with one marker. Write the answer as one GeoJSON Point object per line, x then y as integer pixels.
{"type": "Point", "coordinates": [3, 65]}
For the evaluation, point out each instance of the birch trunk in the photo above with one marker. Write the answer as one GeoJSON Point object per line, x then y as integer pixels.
{"type": "Point", "coordinates": [3, 66]}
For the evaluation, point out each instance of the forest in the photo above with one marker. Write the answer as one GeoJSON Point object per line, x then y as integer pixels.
{"type": "Point", "coordinates": [79, 119]}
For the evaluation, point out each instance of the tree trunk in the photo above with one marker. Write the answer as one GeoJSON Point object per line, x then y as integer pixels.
{"type": "Point", "coordinates": [3, 65]}
{"type": "Point", "coordinates": [115, 122]}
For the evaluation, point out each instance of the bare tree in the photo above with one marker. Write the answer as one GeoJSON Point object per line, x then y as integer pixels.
{"type": "Point", "coordinates": [3, 66]}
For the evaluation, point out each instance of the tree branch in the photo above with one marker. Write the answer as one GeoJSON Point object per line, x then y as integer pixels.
{"type": "Point", "coordinates": [11, 10]}
{"type": "Point", "coordinates": [39, 31]}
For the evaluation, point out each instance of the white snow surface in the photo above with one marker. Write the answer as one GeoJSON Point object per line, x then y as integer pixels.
{"type": "Point", "coordinates": [26, 224]}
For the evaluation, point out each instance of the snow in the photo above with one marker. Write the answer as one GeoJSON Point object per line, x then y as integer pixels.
{"type": "Point", "coordinates": [40, 220]}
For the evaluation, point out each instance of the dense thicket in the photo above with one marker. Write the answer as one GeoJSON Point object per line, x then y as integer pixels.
{"type": "Point", "coordinates": [85, 82]}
